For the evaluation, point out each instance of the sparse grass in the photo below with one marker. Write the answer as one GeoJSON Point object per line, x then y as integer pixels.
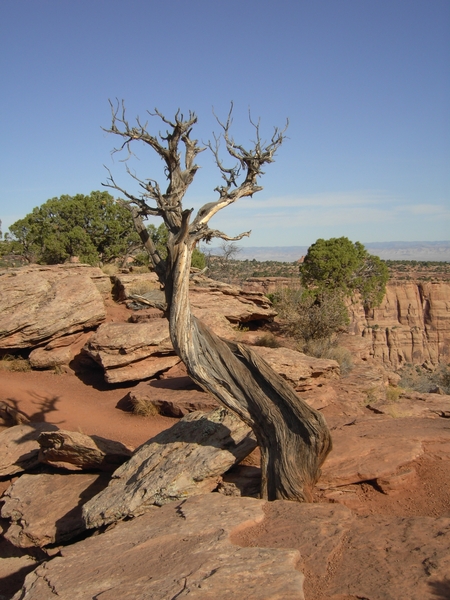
{"type": "Point", "coordinates": [326, 348]}
{"type": "Point", "coordinates": [268, 341]}
{"type": "Point", "coordinates": [110, 269]}
{"type": "Point", "coordinates": [144, 408]}
{"type": "Point", "coordinates": [393, 393]}
{"type": "Point", "coordinates": [423, 380]}
{"type": "Point", "coordinates": [9, 362]}
{"type": "Point", "coordinates": [143, 287]}
{"type": "Point", "coordinates": [371, 396]}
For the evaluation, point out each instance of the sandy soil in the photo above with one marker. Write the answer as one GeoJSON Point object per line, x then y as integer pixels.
{"type": "Point", "coordinates": [89, 405]}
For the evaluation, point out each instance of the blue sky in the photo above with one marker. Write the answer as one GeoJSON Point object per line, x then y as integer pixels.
{"type": "Point", "coordinates": [365, 85]}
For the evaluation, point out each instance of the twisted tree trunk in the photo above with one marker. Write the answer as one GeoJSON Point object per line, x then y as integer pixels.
{"type": "Point", "coordinates": [293, 438]}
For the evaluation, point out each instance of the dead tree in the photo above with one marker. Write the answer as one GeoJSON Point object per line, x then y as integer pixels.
{"type": "Point", "coordinates": [294, 438]}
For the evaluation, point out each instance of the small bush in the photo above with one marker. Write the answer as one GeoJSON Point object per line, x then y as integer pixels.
{"type": "Point", "coordinates": [142, 288]}
{"type": "Point", "coordinates": [144, 408]}
{"type": "Point", "coordinates": [420, 379]}
{"type": "Point", "coordinates": [327, 348]}
{"type": "Point", "coordinates": [311, 317]}
{"type": "Point", "coordinates": [268, 341]}
{"type": "Point", "coordinates": [393, 393]}
{"type": "Point", "coordinates": [15, 363]}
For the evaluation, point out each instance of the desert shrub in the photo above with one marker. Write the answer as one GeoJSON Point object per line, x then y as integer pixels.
{"type": "Point", "coordinates": [424, 380]}
{"type": "Point", "coordinates": [143, 407]}
{"type": "Point", "coordinates": [19, 364]}
{"type": "Point", "coordinates": [268, 341]}
{"type": "Point", "coordinates": [393, 393]}
{"type": "Point", "coordinates": [340, 264]}
{"type": "Point", "coordinates": [142, 287]}
{"type": "Point", "coordinates": [311, 316]}
{"type": "Point", "coordinates": [328, 348]}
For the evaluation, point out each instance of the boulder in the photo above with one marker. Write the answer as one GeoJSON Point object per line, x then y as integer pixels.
{"type": "Point", "coordinates": [126, 285]}
{"type": "Point", "coordinates": [182, 550]}
{"type": "Point", "coordinates": [83, 451]}
{"type": "Point", "coordinates": [46, 508]}
{"type": "Point", "coordinates": [168, 399]}
{"type": "Point", "coordinates": [185, 460]}
{"type": "Point", "coordinates": [223, 308]}
{"type": "Point", "coordinates": [132, 351]}
{"type": "Point", "coordinates": [20, 448]}
{"type": "Point", "coordinates": [301, 371]}
{"type": "Point", "coordinates": [58, 352]}
{"type": "Point", "coordinates": [39, 304]}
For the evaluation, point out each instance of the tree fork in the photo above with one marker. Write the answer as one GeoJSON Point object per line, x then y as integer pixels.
{"type": "Point", "coordinates": [293, 437]}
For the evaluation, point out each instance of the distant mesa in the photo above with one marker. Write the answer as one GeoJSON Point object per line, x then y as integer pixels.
{"type": "Point", "coordinates": [433, 251]}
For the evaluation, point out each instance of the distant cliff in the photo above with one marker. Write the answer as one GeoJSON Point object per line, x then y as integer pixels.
{"type": "Point", "coordinates": [412, 324]}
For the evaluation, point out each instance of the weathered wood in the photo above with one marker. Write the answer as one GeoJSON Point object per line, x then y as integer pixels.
{"type": "Point", "coordinates": [294, 438]}
{"type": "Point", "coordinates": [84, 451]}
{"type": "Point", "coordinates": [185, 460]}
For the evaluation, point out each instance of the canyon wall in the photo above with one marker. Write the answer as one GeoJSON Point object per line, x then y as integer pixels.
{"type": "Point", "coordinates": [412, 324]}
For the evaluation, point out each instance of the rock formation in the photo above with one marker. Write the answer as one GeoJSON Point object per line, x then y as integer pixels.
{"type": "Point", "coordinates": [187, 459]}
{"type": "Point", "coordinates": [412, 324]}
{"type": "Point", "coordinates": [40, 304]}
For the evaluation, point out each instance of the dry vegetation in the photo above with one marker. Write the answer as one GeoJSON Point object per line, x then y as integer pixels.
{"type": "Point", "coordinates": [413, 270]}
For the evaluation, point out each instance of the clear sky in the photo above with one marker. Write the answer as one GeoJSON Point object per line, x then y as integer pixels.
{"type": "Point", "coordinates": [364, 83]}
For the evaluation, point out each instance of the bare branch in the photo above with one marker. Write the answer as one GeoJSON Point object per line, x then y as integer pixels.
{"type": "Point", "coordinates": [144, 208]}
{"type": "Point", "coordinates": [215, 233]}
{"type": "Point", "coordinates": [168, 148]}
{"type": "Point", "coordinates": [249, 162]}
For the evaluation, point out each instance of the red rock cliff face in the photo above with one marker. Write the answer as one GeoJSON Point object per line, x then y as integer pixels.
{"type": "Point", "coordinates": [412, 324]}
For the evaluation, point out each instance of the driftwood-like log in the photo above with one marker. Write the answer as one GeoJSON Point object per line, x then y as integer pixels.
{"type": "Point", "coordinates": [84, 451]}
{"type": "Point", "coordinates": [294, 438]}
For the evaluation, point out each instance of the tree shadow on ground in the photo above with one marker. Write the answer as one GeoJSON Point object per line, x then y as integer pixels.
{"type": "Point", "coordinates": [44, 404]}
{"type": "Point", "coordinates": [440, 589]}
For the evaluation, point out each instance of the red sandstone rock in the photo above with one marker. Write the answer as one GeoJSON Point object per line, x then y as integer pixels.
{"type": "Point", "coordinates": [182, 550]}
{"type": "Point", "coordinates": [39, 304]}
{"type": "Point", "coordinates": [185, 460]}
{"type": "Point", "coordinates": [19, 448]}
{"type": "Point", "coordinates": [46, 508]}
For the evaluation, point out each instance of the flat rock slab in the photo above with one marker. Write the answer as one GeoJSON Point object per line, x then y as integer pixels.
{"type": "Point", "coordinates": [177, 551]}
{"type": "Point", "coordinates": [301, 371]}
{"type": "Point", "coordinates": [169, 401]}
{"type": "Point", "coordinates": [19, 448]}
{"type": "Point", "coordinates": [46, 508]}
{"type": "Point", "coordinates": [375, 448]}
{"type": "Point", "coordinates": [39, 304]}
{"type": "Point", "coordinates": [15, 563]}
{"type": "Point", "coordinates": [345, 557]}
{"type": "Point", "coordinates": [185, 460]}
{"type": "Point", "coordinates": [415, 405]}
{"type": "Point", "coordinates": [132, 351]}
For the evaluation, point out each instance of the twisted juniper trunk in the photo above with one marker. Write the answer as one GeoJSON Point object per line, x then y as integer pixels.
{"type": "Point", "coordinates": [294, 438]}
